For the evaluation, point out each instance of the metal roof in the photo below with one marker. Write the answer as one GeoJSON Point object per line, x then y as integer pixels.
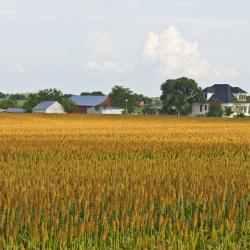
{"type": "Point", "coordinates": [15, 110]}
{"type": "Point", "coordinates": [44, 105]}
{"type": "Point", "coordinates": [88, 100]}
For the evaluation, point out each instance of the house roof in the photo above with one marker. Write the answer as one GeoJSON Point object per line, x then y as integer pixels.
{"type": "Point", "coordinates": [88, 100]}
{"type": "Point", "coordinates": [44, 105]}
{"type": "Point", "coordinates": [15, 110]}
{"type": "Point", "coordinates": [223, 92]}
{"type": "Point", "coordinates": [223, 87]}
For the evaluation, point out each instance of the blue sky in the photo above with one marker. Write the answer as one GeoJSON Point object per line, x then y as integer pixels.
{"type": "Point", "coordinates": [85, 45]}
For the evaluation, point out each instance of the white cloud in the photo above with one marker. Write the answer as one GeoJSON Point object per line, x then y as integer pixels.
{"type": "Point", "coordinates": [175, 56]}
{"type": "Point", "coordinates": [107, 67]}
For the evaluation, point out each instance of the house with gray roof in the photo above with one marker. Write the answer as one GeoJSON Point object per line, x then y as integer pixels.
{"type": "Point", "coordinates": [83, 103]}
{"type": "Point", "coordinates": [49, 107]}
{"type": "Point", "coordinates": [228, 96]}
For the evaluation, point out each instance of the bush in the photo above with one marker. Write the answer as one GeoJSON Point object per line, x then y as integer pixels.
{"type": "Point", "coordinates": [240, 115]}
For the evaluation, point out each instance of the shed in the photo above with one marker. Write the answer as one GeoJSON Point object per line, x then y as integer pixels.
{"type": "Point", "coordinates": [49, 107]}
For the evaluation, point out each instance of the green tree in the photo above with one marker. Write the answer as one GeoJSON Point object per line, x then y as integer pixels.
{"type": "Point", "coordinates": [2, 95]}
{"type": "Point", "coordinates": [178, 95]}
{"type": "Point", "coordinates": [6, 103]}
{"type": "Point", "coordinates": [120, 94]}
{"type": "Point", "coordinates": [17, 97]}
{"type": "Point", "coordinates": [228, 111]}
{"type": "Point", "coordinates": [215, 108]}
{"type": "Point", "coordinates": [49, 95]}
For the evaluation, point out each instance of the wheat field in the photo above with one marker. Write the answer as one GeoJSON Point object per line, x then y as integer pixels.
{"type": "Point", "coordinates": [127, 182]}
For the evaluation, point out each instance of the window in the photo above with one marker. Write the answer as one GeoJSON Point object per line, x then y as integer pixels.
{"type": "Point", "coordinates": [206, 96]}
{"type": "Point", "coordinates": [200, 108]}
{"type": "Point", "coordinates": [242, 97]}
{"type": "Point", "coordinates": [206, 107]}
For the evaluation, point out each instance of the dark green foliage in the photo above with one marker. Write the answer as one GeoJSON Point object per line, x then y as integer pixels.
{"type": "Point", "coordinates": [17, 97]}
{"type": "Point", "coordinates": [179, 94]}
{"type": "Point", "coordinates": [228, 111]}
{"type": "Point", "coordinates": [215, 109]}
{"type": "Point", "coordinates": [6, 103]}
{"type": "Point", "coordinates": [120, 94]}
{"type": "Point", "coordinates": [240, 115]}
{"type": "Point", "coordinates": [2, 95]}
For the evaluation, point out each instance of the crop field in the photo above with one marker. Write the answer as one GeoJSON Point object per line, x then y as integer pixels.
{"type": "Point", "coordinates": [127, 182]}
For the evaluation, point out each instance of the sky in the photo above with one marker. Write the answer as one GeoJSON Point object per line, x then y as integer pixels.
{"type": "Point", "coordinates": [88, 45]}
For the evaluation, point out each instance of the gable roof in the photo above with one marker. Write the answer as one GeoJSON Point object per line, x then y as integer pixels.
{"type": "Point", "coordinates": [223, 92]}
{"type": "Point", "coordinates": [88, 100]}
{"type": "Point", "coordinates": [44, 105]}
{"type": "Point", "coordinates": [223, 87]}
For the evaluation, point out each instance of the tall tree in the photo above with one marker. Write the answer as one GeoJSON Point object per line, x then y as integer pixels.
{"type": "Point", "coordinates": [179, 95]}
{"type": "Point", "coordinates": [215, 108]}
{"type": "Point", "coordinates": [124, 98]}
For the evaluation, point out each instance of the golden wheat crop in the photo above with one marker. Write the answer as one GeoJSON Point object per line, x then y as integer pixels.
{"type": "Point", "coordinates": [102, 182]}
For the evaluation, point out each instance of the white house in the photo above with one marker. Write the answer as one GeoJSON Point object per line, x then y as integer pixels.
{"type": "Point", "coordinates": [228, 96]}
{"type": "Point", "coordinates": [49, 107]}
{"type": "Point", "coordinates": [109, 110]}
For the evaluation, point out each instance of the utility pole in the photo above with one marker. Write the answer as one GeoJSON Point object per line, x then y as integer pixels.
{"type": "Point", "coordinates": [126, 100]}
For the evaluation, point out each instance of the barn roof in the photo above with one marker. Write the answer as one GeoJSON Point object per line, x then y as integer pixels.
{"type": "Point", "coordinates": [15, 110]}
{"type": "Point", "coordinates": [44, 105]}
{"type": "Point", "coordinates": [88, 100]}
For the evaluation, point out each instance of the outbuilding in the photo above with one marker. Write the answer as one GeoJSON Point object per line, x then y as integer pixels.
{"type": "Point", "coordinates": [49, 107]}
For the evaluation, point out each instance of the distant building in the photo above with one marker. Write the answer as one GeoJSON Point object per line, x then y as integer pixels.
{"type": "Point", "coordinates": [83, 103]}
{"type": "Point", "coordinates": [228, 96]}
{"type": "Point", "coordinates": [2, 110]}
{"type": "Point", "coordinates": [108, 110]}
{"type": "Point", "coordinates": [49, 107]}
{"type": "Point", "coordinates": [15, 110]}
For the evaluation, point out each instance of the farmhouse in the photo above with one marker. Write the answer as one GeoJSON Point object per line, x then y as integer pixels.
{"type": "Point", "coordinates": [83, 103]}
{"type": "Point", "coordinates": [49, 107]}
{"type": "Point", "coordinates": [228, 96]}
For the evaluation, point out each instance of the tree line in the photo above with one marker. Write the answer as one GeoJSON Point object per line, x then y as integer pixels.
{"type": "Point", "coordinates": [177, 98]}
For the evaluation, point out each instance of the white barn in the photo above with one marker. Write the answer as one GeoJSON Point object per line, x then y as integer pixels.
{"type": "Point", "coordinates": [49, 107]}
